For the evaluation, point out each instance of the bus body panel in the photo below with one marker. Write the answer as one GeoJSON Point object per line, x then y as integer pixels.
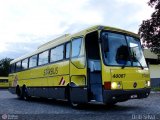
{"type": "Point", "coordinates": [77, 75]}
{"type": "Point", "coordinates": [128, 76]}
{"type": "Point", "coordinates": [49, 75]}
{"type": "Point", "coordinates": [4, 83]}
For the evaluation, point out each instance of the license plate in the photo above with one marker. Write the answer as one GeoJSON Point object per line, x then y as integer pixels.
{"type": "Point", "coordinates": [133, 96]}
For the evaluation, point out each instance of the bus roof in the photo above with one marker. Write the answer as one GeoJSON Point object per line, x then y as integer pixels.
{"type": "Point", "coordinates": [3, 78]}
{"type": "Point", "coordinates": [67, 37]}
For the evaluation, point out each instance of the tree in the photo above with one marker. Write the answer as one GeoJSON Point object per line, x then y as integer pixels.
{"type": "Point", "coordinates": [149, 30]}
{"type": "Point", "coordinates": [4, 66]}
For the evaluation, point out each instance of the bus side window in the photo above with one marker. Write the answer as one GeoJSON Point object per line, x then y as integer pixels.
{"type": "Point", "coordinates": [67, 54]}
{"type": "Point", "coordinates": [76, 47]}
{"type": "Point", "coordinates": [33, 61]}
{"type": "Point", "coordinates": [18, 66]}
{"type": "Point", "coordinates": [43, 58]}
{"type": "Point", "coordinates": [77, 55]}
{"type": "Point", "coordinates": [57, 53]}
{"type": "Point", "coordinates": [25, 64]}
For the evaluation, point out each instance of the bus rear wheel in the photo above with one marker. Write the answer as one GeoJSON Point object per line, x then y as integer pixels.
{"type": "Point", "coordinates": [18, 91]}
{"type": "Point", "coordinates": [25, 95]}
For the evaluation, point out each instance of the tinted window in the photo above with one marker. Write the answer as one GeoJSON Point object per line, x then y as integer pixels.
{"type": "Point", "coordinates": [123, 50]}
{"type": "Point", "coordinates": [4, 80]}
{"type": "Point", "coordinates": [118, 53]}
{"type": "Point", "coordinates": [18, 66]}
{"type": "Point", "coordinates": [67, 50]}
{"type": "Point", "coordinates": [76, 47]}
{"type": "Point", "coordinates": [25, 64]}
{"type": "Point", "coordinates": [136, 52]}
{"type": "Point", "coordinates": [43, 58]}
{"type": "Point", "coordinates": [57, 53]}
{"type": "Point", "coordinates": [33, 61]}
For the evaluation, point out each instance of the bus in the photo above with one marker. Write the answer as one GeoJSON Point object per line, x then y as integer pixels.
{"type": "Point", "coordinates": [101, 64]}
{"type": "Point", "coordinates": [4, 82]}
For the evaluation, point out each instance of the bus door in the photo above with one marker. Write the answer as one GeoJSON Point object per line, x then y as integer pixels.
{"type": "Point", "coordinates": [78, 85]}
{"type": "Point", "coordinates": [93, 67]}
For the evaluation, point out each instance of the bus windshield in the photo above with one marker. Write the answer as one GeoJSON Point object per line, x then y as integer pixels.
{"type": "Point", "coordinates": [122, 50]}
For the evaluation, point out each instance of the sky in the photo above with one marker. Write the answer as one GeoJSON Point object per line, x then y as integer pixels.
{"type": "Point", "coordinates": [27, 24]}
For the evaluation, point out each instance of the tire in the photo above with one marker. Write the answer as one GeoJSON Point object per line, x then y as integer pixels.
{"type": "Point", "coordinates": [67, 93]}
{"type": "Point", "coordinates": [25, 95]}
{"type": "Point", "coordinates": [68, 96]}
{"type": "Point", "coordinates": [18, 92]}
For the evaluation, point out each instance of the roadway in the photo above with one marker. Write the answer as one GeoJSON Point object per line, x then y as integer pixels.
{"type": "Point", "coordinates": [37, 108]}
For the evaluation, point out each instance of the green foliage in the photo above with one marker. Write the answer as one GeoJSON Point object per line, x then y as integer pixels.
{"type": "Point", "coordinates": [4, 66]}
{"type": "Point", "coordinates": [149, 30]}
{"type": "Point", "coordinates": [156, 89]}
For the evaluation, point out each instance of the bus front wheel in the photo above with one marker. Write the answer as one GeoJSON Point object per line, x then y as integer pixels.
{"type": "Point", "coordinates": [68, 94]}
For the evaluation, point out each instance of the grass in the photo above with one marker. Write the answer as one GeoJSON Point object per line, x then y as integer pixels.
{"type": "Point", "coordinates": [156, 89]}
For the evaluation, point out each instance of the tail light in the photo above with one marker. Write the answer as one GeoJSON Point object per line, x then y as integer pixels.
{"type": "Point", "coordinates": [107, 85]}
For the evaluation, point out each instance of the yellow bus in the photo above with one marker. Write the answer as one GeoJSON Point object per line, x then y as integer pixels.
{"type": "Point", "coordinates": [4, 82]}
{"type": "Point", "coordinates": [100, 64]}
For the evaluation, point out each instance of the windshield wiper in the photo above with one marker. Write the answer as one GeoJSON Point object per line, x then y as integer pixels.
{"type": "Point", "coordinates": [124, 65]}
{"type": "Point", "coordinates": [132, 64]}
{"type": "Point", "coordinates": [139, 63]}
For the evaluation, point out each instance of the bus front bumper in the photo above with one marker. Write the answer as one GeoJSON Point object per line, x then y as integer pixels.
{"type": "Point", "coordinates": [111, 96]}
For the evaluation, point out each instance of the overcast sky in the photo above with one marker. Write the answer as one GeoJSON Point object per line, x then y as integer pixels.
{"type": "Point", "coordinates": [26, 24]}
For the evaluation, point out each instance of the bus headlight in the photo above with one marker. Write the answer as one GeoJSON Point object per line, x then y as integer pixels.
{"type": "Point", "coordinates": [116, 85]}
{"type": "Point", "coordinates": [148, 84]}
